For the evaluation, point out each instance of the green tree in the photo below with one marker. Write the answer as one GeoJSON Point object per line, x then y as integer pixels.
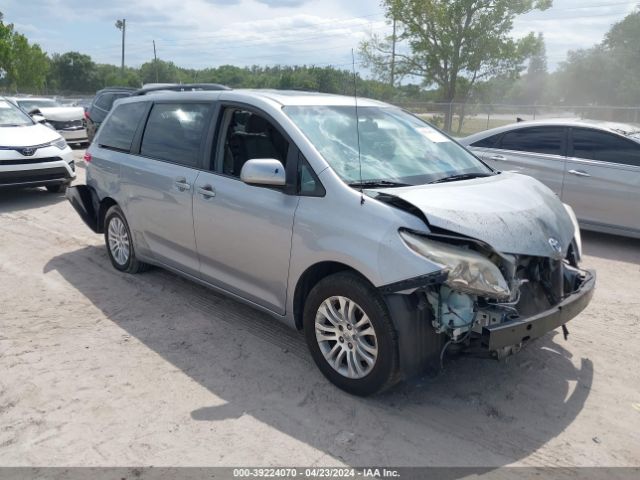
{"type": "Point", "coordinates": [453, 44]}
{"type": "Point", "coordinates": [30, 64]}
{"type": "Point", "coordinates": [159, 71]}
{"type": "Point", "coordinates": [73, 72]}
{"type": "Point", "coordinates": [606, 74]}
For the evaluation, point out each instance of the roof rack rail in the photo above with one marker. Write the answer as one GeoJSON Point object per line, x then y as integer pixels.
{"type": "Point", "coordinates": [184, 87]}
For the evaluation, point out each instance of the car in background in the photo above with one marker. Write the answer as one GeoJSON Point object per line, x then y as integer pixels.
{"type": "Point", "coordinates": [593, 166]}
{"type": "Point", "coordinates": [32, 155]}
{"type": "Point", "coordinates": [66, 120]}
{"type": "Point", "coordinates": [105, 98]}
{"type": "Point", "coordinates": [375, 233]}
{"type": "Point", "coordinates": [101, 105]}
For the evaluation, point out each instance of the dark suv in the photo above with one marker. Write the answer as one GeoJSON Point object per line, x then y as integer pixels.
{"type": "Point", "coordinates": [101, 106]}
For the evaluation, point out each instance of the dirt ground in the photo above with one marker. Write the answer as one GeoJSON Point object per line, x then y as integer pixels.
{"type": "Point", "coordinates": [99, 368]}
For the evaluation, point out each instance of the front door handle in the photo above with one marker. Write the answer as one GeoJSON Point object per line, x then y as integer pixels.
{"type": "Point", "coordinates": [579, 173]}
{"type": "Point", "coordinates": [182, 185]}
{"type": "Point", "coordinates": [207, 191]}
{"type": "Point", "coordinates": [498, 158]}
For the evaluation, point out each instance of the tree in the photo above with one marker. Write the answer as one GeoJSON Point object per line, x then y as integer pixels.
{"type": "Point", "coordinates": [159, 71]}
{"type": "Point", "coordinates": [453, 44]}
{"type": "Point", "coordinates": [606, 74]}
{"type": "Point", "coordinates": [73, 72]}
{"type": "Point", "coordinates": [31, 65]}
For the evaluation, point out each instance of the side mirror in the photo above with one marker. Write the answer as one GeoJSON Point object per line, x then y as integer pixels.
{"type": "Point", "coordinates": [267, 171]}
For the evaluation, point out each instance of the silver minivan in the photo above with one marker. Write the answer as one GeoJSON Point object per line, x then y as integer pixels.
{"type": "Point", "coordinates": [380, 237]}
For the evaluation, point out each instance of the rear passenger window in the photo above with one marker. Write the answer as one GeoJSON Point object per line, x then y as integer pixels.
{"type": "Point", "coordinates": [489, 142]}
{"type": "Point", "coordinates": [175, 132]}
{"type": "Point", "coordinates": [605, 147]}
{"type": "Point", "coordinates": [545, 140]}
{"type": "Point", "coordinates": [118, 131]}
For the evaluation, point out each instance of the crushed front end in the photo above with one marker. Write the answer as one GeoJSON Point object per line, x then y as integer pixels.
{"type": "Point", "coordinates": [483, 299]}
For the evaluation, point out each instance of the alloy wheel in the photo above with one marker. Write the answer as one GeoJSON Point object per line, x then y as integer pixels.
{"type": "Point", "coordinates": [119, 241]}
{"type": "Point", "coordinates": [346, 337]}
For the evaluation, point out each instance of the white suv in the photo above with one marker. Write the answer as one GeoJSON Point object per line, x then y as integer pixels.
{"type": "Point", "coordinates": [31, 154]}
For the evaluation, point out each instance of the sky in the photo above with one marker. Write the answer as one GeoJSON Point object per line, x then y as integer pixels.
{"type": "Point", "coordinates": [202, 33]}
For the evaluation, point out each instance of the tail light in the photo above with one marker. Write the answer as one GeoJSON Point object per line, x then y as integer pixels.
{"type": "Point", "coordinates": [86, 114]}
{"type": "Point", "coordinates": [87, 157]}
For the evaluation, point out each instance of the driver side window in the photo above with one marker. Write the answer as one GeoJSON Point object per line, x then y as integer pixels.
{"type": "Point", "coordinates": [245, 136]}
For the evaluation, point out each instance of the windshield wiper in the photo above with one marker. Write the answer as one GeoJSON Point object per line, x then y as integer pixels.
{"type": "Point", "coordinates": [465, 176]}
{"type": "Point", "coordinates": [378, 184]}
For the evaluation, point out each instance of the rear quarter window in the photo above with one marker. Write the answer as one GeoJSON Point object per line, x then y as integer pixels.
{"type": "Point", "coordinates": [118, 131]}
{"type": "Point", "coordinates": [488, 142]}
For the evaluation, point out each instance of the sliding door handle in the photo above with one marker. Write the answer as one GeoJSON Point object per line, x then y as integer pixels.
{"type": "Point", "coordinates": [182, 185]}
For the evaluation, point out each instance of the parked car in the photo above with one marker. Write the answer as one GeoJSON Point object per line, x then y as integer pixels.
{"type": "Point", "coordinates": [67, 121]}
{"type": "Point", "coordinates": [104, 99]}
{"type": "Point", "coordinates": [591, 165]}
{"type": "Point", "coordinates": [101, 106]}
{"type": "Point", "coordinates": [31, 154]}
{"type": "Point", "coordinates": [369, 229]}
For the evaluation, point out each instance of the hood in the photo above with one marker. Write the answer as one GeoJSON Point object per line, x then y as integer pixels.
{"type": "Point", "coordinates": [27, 136]}
{"type": "Point", "coordinates": [513, 213]}
{"type": "Point", "coordinates": [63, 114]}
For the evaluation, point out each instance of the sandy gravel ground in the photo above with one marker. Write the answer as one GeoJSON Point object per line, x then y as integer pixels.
{"type": "Point", "coordinates": [98, 368]}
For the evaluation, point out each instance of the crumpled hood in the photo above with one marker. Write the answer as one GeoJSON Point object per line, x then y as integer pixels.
{"type": "Point", "coordinates": [513, 213]}
{"type": "Point", "coordinates": [63, 114]}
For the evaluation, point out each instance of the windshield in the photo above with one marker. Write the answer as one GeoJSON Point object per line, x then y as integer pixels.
{"type": "Point", "coordinates": [29, 105]}
{"type": "Point", "coordinates": [395, 146]}
{"type": "Point", "coordinates": [12, 116]}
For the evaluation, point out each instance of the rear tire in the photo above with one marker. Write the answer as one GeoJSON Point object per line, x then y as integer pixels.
{"type": "Point", "coordinates": [351, 336]}
{"type": "Point", "coordinates": [119, 242]}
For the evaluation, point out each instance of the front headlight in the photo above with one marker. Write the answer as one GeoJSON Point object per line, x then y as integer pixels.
{"type": "Point", "coordinates": [61, 143]}
{"type": "Point", "coordinates": [469, 271]}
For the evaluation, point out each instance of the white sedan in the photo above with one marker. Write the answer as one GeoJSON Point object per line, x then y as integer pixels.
{"type": "Point", "coordinates": [31, 154]}
{"type": "Point", "coordinates": [67, 121]}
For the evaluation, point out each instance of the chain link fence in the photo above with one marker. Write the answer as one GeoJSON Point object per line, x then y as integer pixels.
{"type": "Point", "coordinates": [467, 119]}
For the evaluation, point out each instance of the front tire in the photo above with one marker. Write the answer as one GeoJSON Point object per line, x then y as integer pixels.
{"type": "Point", "coordinates": [350, 335]}
{"type": "Point", "coordinates": [119, 241]}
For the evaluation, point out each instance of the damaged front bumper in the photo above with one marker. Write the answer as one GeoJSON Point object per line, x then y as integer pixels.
{"type": "Point", "coordinates": [520, 331]}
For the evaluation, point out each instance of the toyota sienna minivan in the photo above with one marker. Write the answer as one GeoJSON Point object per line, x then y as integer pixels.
{"type": "Point", "coordinates": [376, 234]}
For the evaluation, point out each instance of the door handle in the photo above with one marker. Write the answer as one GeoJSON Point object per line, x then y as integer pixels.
{"type": "Point", "coordinates": [498, 158]}
{"type": "Point", "coordinates": [579, 173]}
{"type": "Point", "coordinates": [207, 191]}
{"type": "Point", "coordinates": [182, 185]}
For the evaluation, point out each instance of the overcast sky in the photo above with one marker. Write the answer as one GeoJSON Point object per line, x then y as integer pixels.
{"type": "Point", "coordinates": [199, 33]}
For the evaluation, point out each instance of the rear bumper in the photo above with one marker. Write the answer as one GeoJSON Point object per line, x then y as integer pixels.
{"type": "Point", "coordinates": [74, 136]}
{"type": "Point", "coordinates": [522, 330]}
{"type": "Point", "coordinates": [85, 202]}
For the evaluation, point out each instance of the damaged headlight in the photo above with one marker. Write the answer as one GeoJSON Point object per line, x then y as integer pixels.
{"type": "Point", "coordinates": [469, 271]}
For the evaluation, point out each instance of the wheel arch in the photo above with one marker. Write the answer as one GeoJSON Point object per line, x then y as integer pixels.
{"type": "Point", "coordinates": [105, 204]}
{"type": "Point", "coordinates": [310, 278]}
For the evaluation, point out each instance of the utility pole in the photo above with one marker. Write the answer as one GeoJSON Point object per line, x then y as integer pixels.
{"type": "Point", "coordinates": [155, 61]}
{"type": "Point", "coordinates": [122, 25]}
{"type": "Point", "coordinates": [393, 55]}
